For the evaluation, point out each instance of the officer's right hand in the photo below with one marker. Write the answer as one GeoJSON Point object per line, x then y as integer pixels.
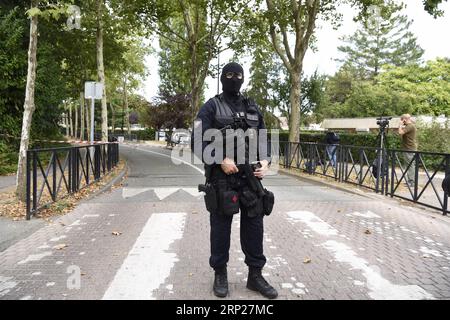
{"type": "Point", "coordinates": [228, 166]}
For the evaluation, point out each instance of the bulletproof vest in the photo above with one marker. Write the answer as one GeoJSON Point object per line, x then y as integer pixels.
{"type": "Point", "coordinates": [226, 117]}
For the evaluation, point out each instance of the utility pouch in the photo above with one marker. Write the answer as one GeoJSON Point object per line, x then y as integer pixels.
{"type": "Point", "coordinates": [230, 202]}
{"type": "Point", "coordinates": [268, 202]}
{"type": "Point", "coordinates": [253, 205]}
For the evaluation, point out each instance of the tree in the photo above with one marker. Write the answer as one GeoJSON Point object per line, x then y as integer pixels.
{"type": "Point", "coordinates": [267, 84]}
{"type": "Point", "coordinates": [205, 26]}
{"type": "Point", "coordinates": [282, 19]}
{"type": "Point", "coordinates": [416, 89]}
{"type": "Point", "coordinates": [427, 86]}
{"type": "Point", "coordinates": [168, 112]}
{"type": "Point", "coordinates": [384, 41]}
{"type": "Point", "coordinates": [101, 68]}
{"type": "Point", "coordinates": [29, 105]}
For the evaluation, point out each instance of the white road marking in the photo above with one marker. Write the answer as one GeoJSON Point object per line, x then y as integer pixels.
{"type": "Point", "coordinates": [90, 216]}
{"type": "Point", "coordinates": [368, 215]}
{"type": "Point", "coordinates": [193, 192]}
{"type": "Point", "coordinates": [132, 192]}
{"type": "Point", "coordinates": [313, 222]}
{"type": "Point", "coordinates": [6, 285]}
{"type": "Point", "coordinates": [379, 287]}
{"type": "Point", "coordinates": [35, 257]}
{"type": "Point", "coordinates": [150, 260]}
{"type": "Point", "coordinates": [163, 193]}
{"type": "Point", "coordinates": [57, 238]}
{"type": "Point", "coordinates": [427, 251]}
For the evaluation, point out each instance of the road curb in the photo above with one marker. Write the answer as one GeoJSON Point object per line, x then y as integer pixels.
{"type": "Point", "coordinates": [324, 183]}
{"type": "Point", "coordinates": [110, 184]}
{"type": "Point", "coordinates": [435, 214]}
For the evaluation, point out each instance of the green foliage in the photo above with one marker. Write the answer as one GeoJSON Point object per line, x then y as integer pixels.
{"type": "Point", "coordinates": [147, 134]}
{"type": "Point", "coordinates": [434, 137]}
{"type": "Point", "coordinates": [348, 139]}
{"type": "Point", "coordinates": [384, 41]}
{"type": "Point", "coordinates": [415, 89]}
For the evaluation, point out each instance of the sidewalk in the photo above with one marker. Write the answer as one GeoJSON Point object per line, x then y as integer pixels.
{"type": "Point", "coordinates": [150, 240]}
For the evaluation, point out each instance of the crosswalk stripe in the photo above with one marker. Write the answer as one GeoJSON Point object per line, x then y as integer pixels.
{"type": "Point", "coordinates": [149, 262]}
{"type": "Point", "coordinates": [379, 287]}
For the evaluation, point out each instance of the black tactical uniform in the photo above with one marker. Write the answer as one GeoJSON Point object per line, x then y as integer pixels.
{"type": "Point", "coordinates": [222, 112]}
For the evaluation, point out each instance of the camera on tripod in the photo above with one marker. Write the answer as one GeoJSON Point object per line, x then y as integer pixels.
{"type": "Point", "coordinates": [383, 122]}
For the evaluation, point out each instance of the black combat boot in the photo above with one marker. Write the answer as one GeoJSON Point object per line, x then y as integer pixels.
{"type": "Point", "coordinates": [256, 282]}
{"type": "Point", "coordinates": [220, 282]}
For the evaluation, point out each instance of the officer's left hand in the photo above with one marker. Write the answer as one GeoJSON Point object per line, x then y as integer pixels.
{"type": "Point", "coordinates": [261, 172]}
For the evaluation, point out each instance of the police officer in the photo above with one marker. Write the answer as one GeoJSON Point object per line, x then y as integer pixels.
{"type": "Point", "coordinates": [216, 113]}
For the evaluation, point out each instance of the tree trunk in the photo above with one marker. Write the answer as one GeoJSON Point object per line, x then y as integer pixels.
{"type": "Point", "coordinates": [82, 115]}
{"type": "Point", "coordinates": [66, 122]}
{"type": "Point", "coordinates": [75, 133]}
{"type": "Point", "coordinates": [195, 92]}
{"type": "Point", "coordinates": [295, 96]}
{"type": "Point", "coordinates": [113, 118]}
{"type": "Point", "coordinates": [101, 69]}
{"type": "Point", "coordinates": [70, 119]}
{"type": "Point", "coordinates": [125, 103]}
{"type": "Point", "coordinates": [29, 108]}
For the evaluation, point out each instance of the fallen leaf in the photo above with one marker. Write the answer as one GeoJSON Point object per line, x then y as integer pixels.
{"type": "Point", "coordinates": [116, 233]}
{"type": "Point", "coordinates": [368, 232]}
{"type": "Point", "coordinates": [60, 246]}
{"type": "Point", "coordinates": [194, 212]}
{"type": "Point", "coordinates": [83, 273]}
{"type": "Point", "coordinates": [307, 260]}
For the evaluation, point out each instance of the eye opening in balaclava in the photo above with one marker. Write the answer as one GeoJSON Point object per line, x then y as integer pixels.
{"type": "Point", "coordinates": [233, 85]}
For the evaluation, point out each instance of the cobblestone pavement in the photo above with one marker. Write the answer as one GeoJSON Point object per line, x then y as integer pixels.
{"type": "Point", "coordinates": [150, 240]}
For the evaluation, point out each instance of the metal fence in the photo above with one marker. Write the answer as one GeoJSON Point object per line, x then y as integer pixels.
{"type": "Point", "coordinates": [411, 176]}
{"type": "Point", "coordinates": [55, 173]}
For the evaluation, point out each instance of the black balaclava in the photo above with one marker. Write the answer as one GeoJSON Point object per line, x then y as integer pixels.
{"type": "Point", "coordinates": [232, 86]}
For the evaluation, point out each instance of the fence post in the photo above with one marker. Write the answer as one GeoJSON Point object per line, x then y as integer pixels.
{"type": "Point", "coordinates": [88, 161]}
{"type": "Point", "coordinates": [34, 181]}
{"type": "Point", "coordinates": [446, 194]}
{"type": "Point", "coordinates": [28, 190]}
{"type": "Point", "coordinates": [416, 175]}
{"type": "Point", "coordinates": [97, 151]}
{"type": "Point", "coordinates": [54, 176]}
{"type": "Point", "coordinates": [393, 174]}
{"type": "Point", "coordinates": [361, 165]}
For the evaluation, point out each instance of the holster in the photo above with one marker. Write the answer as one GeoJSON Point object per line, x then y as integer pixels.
{"type": "Point", "coordinates": [210, 196]}
{"type": "Point", "coordinates": [268, 202]}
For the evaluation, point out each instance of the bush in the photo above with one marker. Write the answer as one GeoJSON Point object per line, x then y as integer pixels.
{"type": "Point", "coordinates": [147, 134]}
{"type": "Point", "coordinates": [349, 139]}
{"type": "Point", "coordinates": [8, 157]}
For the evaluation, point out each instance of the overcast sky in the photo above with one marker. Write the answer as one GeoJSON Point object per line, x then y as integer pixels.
{"type": "Point", "coordinates": [432, 34]}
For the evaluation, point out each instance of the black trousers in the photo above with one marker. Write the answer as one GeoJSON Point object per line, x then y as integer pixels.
{"type": "Point", "coordinates": [251, 234]}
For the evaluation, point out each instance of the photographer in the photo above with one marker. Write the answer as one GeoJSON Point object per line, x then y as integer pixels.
{"type": "Point", "coordinates": [407, 131]}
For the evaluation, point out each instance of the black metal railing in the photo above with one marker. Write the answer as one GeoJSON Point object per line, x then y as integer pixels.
{"type": "Point", "coordinates": [55, 173]}
{"type": "Point", "coordinates": [411, 176]}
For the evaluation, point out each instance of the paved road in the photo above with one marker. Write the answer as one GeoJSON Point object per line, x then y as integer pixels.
{"type": "Point", "coordinates": [316, 242]}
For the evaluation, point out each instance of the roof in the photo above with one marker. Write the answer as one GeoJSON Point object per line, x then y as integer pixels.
{"type": "Point", "coordinates": [357, 123]}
